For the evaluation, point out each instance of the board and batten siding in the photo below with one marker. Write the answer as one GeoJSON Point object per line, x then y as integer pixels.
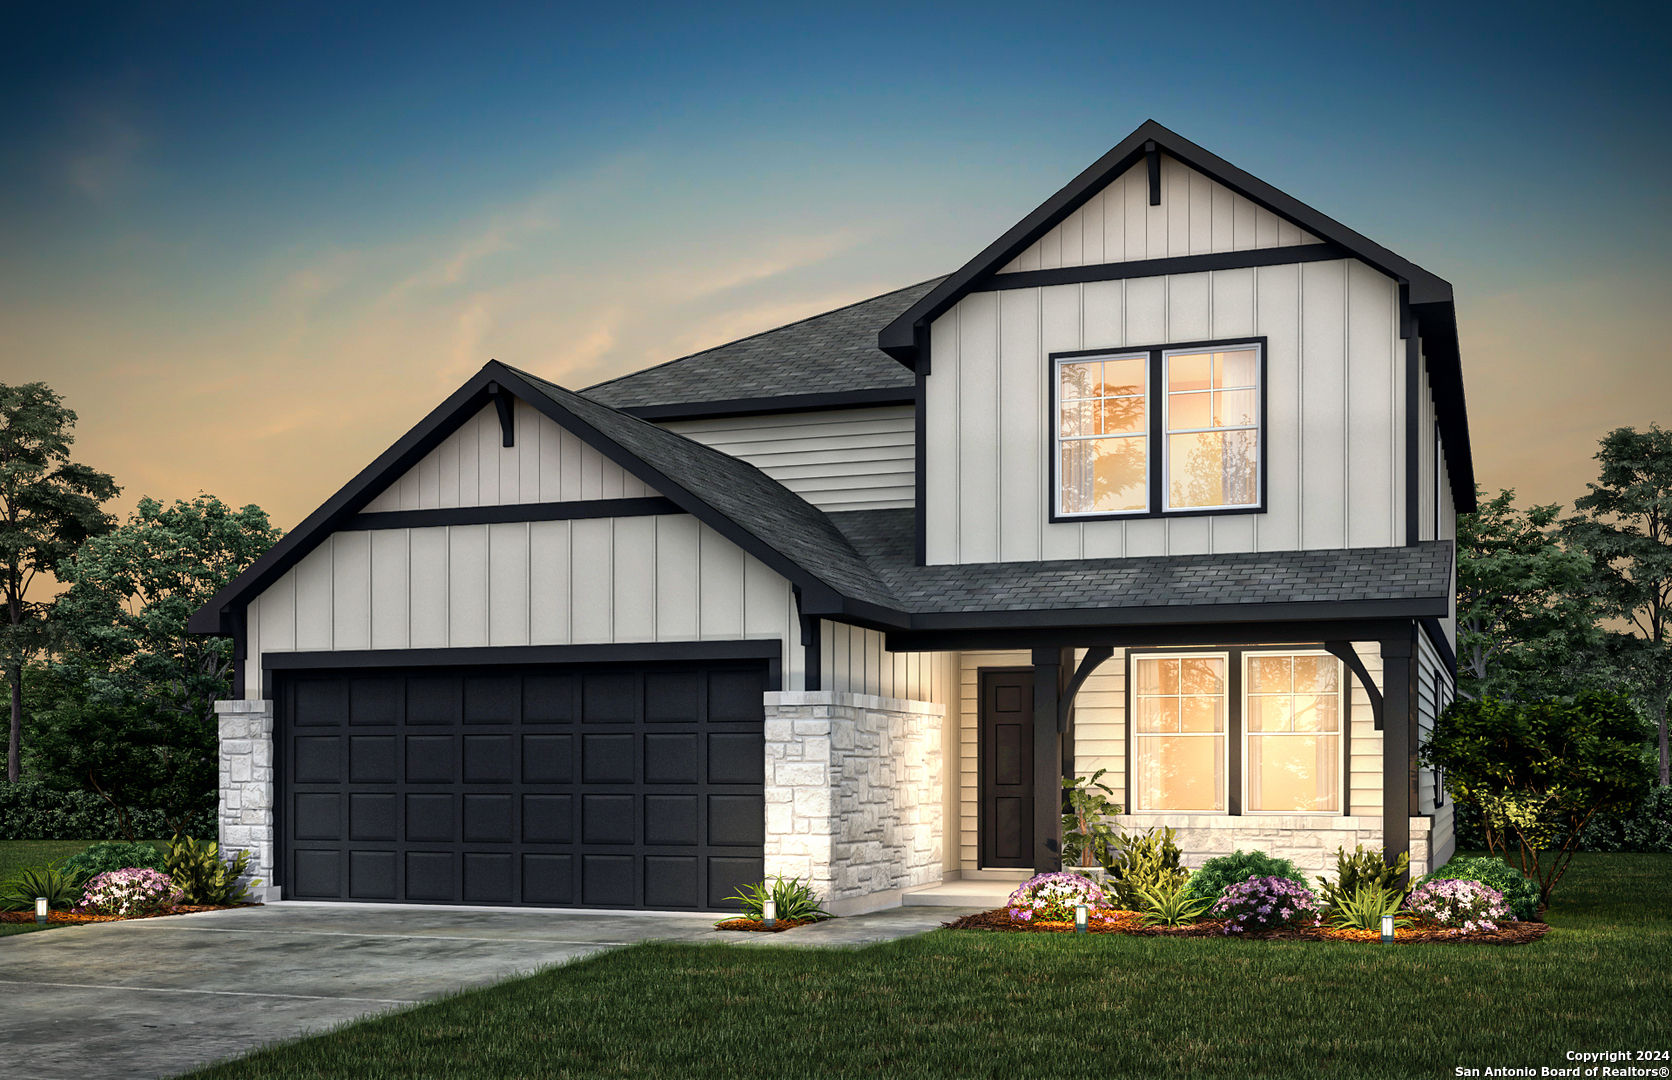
{"type": "Point", "coordinates": [1100, 740]}
{"type": "Point", "coordinates": [472, 468]}
{"type": "Point", "coordinates": [844, 459]}
{"type": "Point", "coordinates": [1197, 216]}
{"type": "Point", "coordinates": [1334, 425]}
{"type": "Point", "coordinates": [586, 581]}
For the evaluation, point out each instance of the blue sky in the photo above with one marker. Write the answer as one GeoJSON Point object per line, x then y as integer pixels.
{"type": "Point", "coordinates": [253, 248]}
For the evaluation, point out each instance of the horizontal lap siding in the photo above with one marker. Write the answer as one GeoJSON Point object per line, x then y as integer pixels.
{"type": "Point", "coordinates": [588, 581]}
{"type": "Point", "coordinates": [848, 459]}
{"type": "Point", "coordinates": [1334, 411]}
{"type": "Point", "coordinates": [472, 467]}
{"type": "Point", "coordinates": [1197, 216]}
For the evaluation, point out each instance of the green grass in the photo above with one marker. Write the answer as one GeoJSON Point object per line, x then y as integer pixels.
{"type": "Point", "coordinates": [1017, 1005]}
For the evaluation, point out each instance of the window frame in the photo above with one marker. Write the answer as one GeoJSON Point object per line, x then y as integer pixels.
{"type": "Point", "coordinates": [1344, 719]}
{"type": "Point", "coordinates": [1155, 436]}
{"type": "Point", "coordinates": [1230, 736]}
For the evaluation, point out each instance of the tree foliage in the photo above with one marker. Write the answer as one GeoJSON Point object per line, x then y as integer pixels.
{"type": "Point", "coordinates": [1538, 771]}
{"type": "Point", "coordinates": [1625, 527]}
{"type": "Point", "coordinates": [48, 506]}
{"type": "Point", "coordinates": [1525, 625]}
{"type": "Point", "coordinates": [133, 589]}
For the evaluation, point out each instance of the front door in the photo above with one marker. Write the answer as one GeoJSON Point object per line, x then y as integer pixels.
{"type": "Point", "coordinates": [1006, 764]}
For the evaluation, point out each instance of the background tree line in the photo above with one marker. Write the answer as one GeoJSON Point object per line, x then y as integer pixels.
{"type": "Point", "coordinates": [112, 724]}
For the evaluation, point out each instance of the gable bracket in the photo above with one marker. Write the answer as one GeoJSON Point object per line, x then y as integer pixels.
{"type": "Point", "coordinates": [502, 402]}
{"type": "Point", "coordinates": [1344, 651]}
{"type": "Point", "coordinates": [1065, 704]}
{"type": "Point", "coordinates": [1153, 156]}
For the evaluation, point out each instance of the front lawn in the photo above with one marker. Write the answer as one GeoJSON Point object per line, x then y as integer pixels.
{"type": "Point", "coordinates": [1020, 1005]}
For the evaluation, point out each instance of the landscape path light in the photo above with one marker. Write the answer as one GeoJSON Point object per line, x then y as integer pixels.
{"type": "Point", "coordinates": [769, 914]}
{"type": "Point", "coordinates": [1079, 918]}
{"type": "Point", "coordinates": [40, 910]}
{"type": "Point", "coordinates": [1387, 928]}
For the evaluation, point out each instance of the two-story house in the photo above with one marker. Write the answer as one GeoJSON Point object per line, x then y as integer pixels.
{"type": "Point", "coordinates": [1163, 482]}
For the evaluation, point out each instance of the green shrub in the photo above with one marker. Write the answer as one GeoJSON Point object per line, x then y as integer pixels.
{"type": "Point", "coordinates": [203, 877]}
{"type": "Point", "coordinates": [62, 888]}
{"type": "Point", "coordinates": [1087, 837]}
{"type": "Point", "coordinates": [1217, 875]}
{"type": "Point", "coordinates": [1364, 907]}
{"type": "Point", "coordinates": [1147, 860]}
{"type": "Point", "coordinates": [115, 855]}
{"type": "Point", "coordinates": [33, 810]}
{"type": "Point", "coordinates": [1520, 892]}
{"type": "Point", "coordinates": [1645, 827]}
{"type": "Point", "coordinates": [794, 898]}
{"type": "Point", "coordinates": [1165, 903]}
{"type": "Point", "coordinates": [1358, 869]}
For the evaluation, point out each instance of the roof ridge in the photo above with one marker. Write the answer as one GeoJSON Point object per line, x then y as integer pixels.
{"type": "Point", "coordinates": [760, 334]}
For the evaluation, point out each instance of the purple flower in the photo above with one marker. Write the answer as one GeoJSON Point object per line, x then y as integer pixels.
{"type": "Point", "coordinates": [1054, 896]}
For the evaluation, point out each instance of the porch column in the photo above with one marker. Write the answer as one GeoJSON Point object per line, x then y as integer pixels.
{"type": "Point", "coordinates": [1399, 720]}
{"type": "Point", "coordinates": [1049, 666]}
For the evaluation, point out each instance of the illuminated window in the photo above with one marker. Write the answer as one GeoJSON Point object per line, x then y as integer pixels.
{"type": "Point", "coordinates": [1179, 733]}
{"type": "Point", "coordinates": [1213, 429]}
{"type": "Point", "coordinates": [1103, 435]}
{"type": "Point", "coordinates": [1292, 715]}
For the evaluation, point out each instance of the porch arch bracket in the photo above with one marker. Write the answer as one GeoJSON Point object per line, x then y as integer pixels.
{"type": "Point", "coordinates": [1094, 656]}
{"type": "Point", "coordinates": [1348, 655]}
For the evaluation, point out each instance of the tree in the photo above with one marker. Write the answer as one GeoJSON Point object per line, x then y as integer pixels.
{"type": "Point", "coordinates": [1524, 623]}
{"type": "Point", "coordinates": [48, 506]}
{"type": "Point", "coordinates": [1625, 527]}
{"type": "Point", "coordinates": [133, 589]}
{"type": "Point", "coordinates": [1538, 771]}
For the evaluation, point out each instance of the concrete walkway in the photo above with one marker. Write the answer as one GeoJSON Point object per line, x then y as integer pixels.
{"type": "Point", "coordinates": [156, 997]}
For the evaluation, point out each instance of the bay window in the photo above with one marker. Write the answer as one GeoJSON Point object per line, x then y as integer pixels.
{"type": "Point", "coordinates": [1156, 431]}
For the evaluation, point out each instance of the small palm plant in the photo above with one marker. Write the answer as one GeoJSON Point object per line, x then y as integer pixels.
{"type": "Point", "coordinates": [794, 900]}
{"type": "Point", "coordinates": [61, 888]}
{"type": "Point", "coordinates": [1166, 903]}
{"type": "Point", "coordinates": [1366, 907]}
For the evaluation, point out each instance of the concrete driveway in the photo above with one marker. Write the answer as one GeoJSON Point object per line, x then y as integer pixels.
{"type": "Point", "coordinates": [156, 997]}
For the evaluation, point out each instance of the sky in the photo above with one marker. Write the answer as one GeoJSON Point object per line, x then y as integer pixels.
{"type": "Point", "coordinates": [251, 248]}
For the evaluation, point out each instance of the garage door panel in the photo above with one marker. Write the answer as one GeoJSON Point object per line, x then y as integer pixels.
{"type": "Point", "coordinates": [492, 699]}
{"type": "Point", "coordinates": [670, 759]}
{"type": "Point", "coordinates": [670, 820]}
{"type": "Point", "coordinates": [547, 759]}
{"type": "Point", "coordinates": [376, 700]}
{"type": "Point", "coordinates": [318, 815]}
{"type": "Point", "coordinates": [489, 759]}
{"type": "Point", "coordinates": [373, 816]}
{"type": "Point", "coordinates": [429, 875]}
{"type": "Point", "coordinates": [607, 759]}
{"type": "Point", "coordinates": [671, 882]}
{"type": "Point", "coordinates": [317, 758]}
{"type": "Point", "coordinates": [548, 819]}
{"type": "Point", "coordinates": [371, 875]}
{"type": "Point", "coordinates": [429, 818]}
{"type": "Point", "coordinates": [487, 819]}
{"type": "Point", "coordinates": [371, 759]}
{"type": "Point", "coordinates": [430, 759]}
{"type": "Point", "coordinates": [608, 786]}
{"type": "Point", "coordinates": [607, 819]}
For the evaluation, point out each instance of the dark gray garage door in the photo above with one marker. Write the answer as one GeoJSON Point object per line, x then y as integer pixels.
{"type": "Point", "coordinates": [598, 787]}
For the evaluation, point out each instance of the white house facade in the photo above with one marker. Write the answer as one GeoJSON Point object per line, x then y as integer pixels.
{"type": "Point", "coordinates": [1163, 482]}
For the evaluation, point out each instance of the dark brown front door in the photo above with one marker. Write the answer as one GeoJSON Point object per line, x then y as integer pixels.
{"type": "Point", "coordinates": [1006, 762]}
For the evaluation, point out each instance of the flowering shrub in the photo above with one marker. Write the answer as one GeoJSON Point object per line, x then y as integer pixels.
{"type": "Point", "coordinates": [1052, 897]}
{"type": "Point", "coordinates": [134, 891]}
{"type": "Point", "coordinates": [1466, 905]}
{"type": "Point", "coordinates": [1265, 903]}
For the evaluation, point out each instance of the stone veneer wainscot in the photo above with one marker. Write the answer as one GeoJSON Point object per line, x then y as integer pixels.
{"type": "Point", "coordinates": [247, 794]}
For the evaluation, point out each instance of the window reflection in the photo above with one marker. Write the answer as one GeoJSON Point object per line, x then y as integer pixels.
{"type": "Point", "coordinates": [1180, 732]}
{"type": "Point", "coordinates": [1212, 452]}
{"type": "Point", "coordinates": [1292, 715]}
{"type": "Point", "coordinates": [1102, 423]}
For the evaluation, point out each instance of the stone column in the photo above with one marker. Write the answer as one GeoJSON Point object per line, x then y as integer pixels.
{"type": "Point", "coordinates": [853, 795]}
{"type": "Point", "coordinates": [247, 793]}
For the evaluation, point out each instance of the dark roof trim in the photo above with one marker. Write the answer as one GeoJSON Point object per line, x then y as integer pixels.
{"type": "Point", "coordinates": [1126, 637]}
{"type": "Point", "coordinates": [1183, 264]}
{"type": "Point", "coordinates": [793, 403]}
{"type": "Point", "coordinates": [1430, 295]}
{"type": "Point", "coordinates": [512, 512]}
{"type": "Point", "coordinates": [638, 653]}
{"type": "Point", "coordinates": [1205, 614]}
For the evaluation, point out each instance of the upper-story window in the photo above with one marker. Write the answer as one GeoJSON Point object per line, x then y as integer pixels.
{"type": "Point", "coordinates": [1161, 430]}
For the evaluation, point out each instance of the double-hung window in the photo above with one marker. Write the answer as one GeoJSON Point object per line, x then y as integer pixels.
{"type": "Point", "coordinates": [1154, 431]}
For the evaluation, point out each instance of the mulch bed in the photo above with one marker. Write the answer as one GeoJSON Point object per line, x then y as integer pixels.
{"type": "Point", "coordinates": [755, 926]}
{"type": "Point", "coordinates": [72, 917]}
{"type": "Point", "coordinates": [1130, 922]}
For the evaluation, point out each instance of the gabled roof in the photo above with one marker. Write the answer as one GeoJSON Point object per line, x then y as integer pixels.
{"type": "Point", "coordinates": [832, 353]}
{"type": "Point", "coordinates": [731, 496]}
{"type": "Point", "coordinates": [1430, 296]}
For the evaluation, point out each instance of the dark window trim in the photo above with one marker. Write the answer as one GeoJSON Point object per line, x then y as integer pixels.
{"type": "Point", "coordinates": [512, 512]}
{"type": "Point", "coordinates": [1235, 781]}
{"type": "Point", "coordinates": [1156, 436]}
{"type": "Point", "coordinates": [1178, 264]}
{"type": "Point", "coordinates": [789, 403]}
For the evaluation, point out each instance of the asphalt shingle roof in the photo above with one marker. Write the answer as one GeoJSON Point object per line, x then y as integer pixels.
{"type": "Point", "coordinates": [887, 540]}
{"type": "Point", "coordinates": [829, 353]}
{"type": "Point", "coordinates": [761, 506]}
